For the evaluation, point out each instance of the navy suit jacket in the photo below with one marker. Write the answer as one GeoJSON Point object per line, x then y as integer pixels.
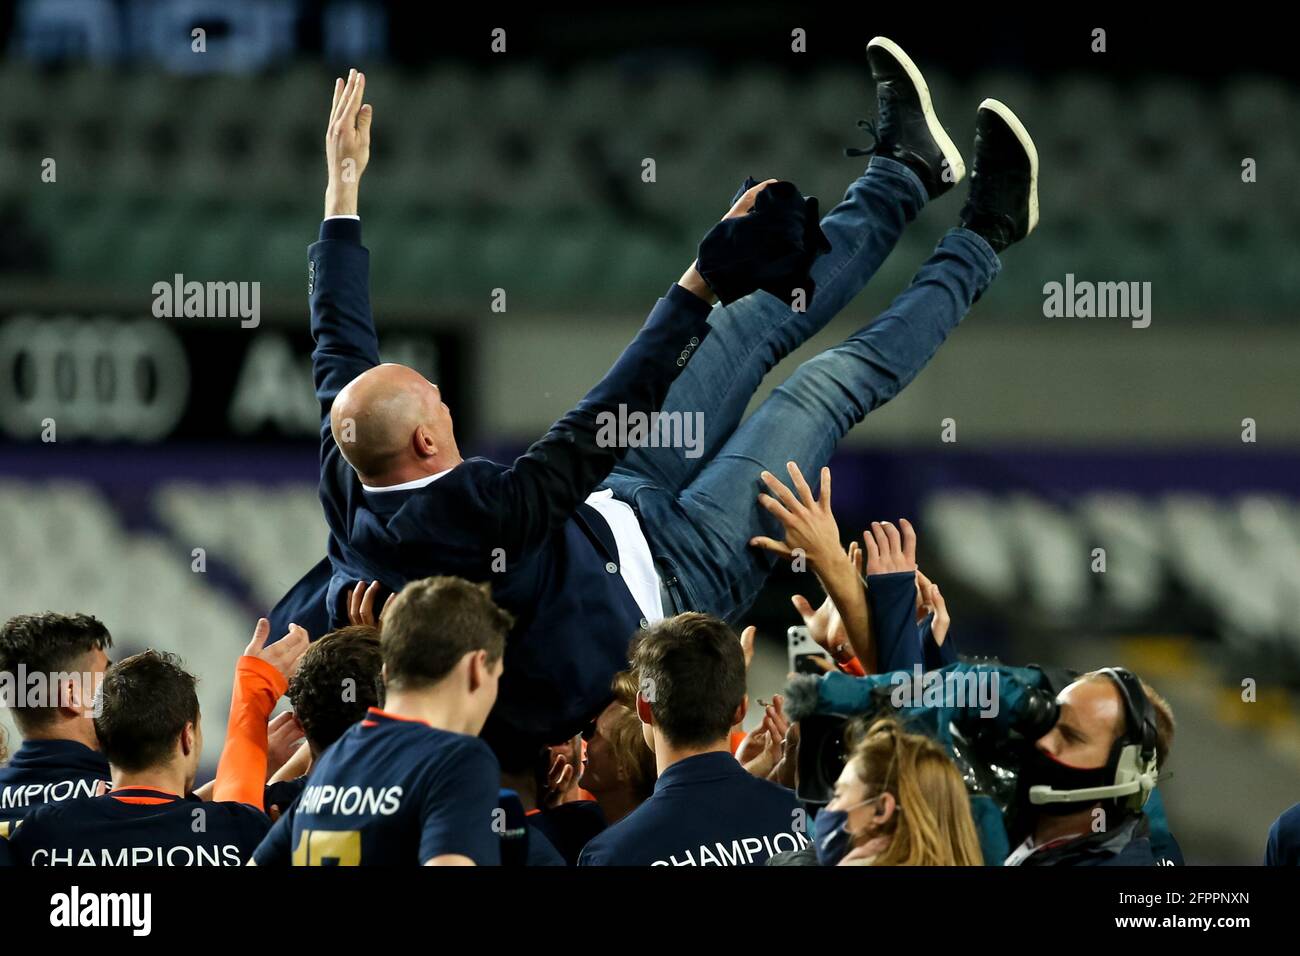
{"type": "Point", "coordinates": [574, 615]}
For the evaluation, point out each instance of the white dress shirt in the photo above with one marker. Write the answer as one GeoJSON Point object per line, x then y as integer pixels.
{"type": "Point", "coordinates": [636, 565]}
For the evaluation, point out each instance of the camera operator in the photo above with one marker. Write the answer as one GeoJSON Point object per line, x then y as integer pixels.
{"type": "Point", "coordinates": [1087, 780]}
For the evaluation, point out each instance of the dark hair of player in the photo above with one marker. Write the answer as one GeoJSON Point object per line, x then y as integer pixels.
{"type": "Point", "coordinates": [691, 670]}
{"type": "Point", "coordinates": [336, 683]}
{"type": "Point", "coordinates": [433, 623]}
{"type": "Point", "coordinates": [48, 643]}
{"type": "Point", "coordinates": [146, 701]}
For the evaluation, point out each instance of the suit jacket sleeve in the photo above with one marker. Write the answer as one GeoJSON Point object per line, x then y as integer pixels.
{"type": "Point", "coordinates": [338, 286]}
{"type": "Point", "coordinates": [518, 507]}
{"type": "Point", "coordinates": [547, 484]}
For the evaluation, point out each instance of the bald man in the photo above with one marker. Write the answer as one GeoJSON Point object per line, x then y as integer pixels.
{"type": "Point", "coordinates": [602, 528]}
{"type": "Point", "coordinates": [401, 502]}
{"type": "Point", "coordinates": [392, 426]}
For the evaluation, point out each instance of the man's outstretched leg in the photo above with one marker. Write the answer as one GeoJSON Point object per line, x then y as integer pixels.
{"type": "Point", "coordinates": [915, 161]}
{"type": "Point", "coordinates": [705, 532]}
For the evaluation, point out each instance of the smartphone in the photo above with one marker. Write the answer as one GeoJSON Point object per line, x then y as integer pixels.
{"type": "Point", "coordinates": [802, 649]}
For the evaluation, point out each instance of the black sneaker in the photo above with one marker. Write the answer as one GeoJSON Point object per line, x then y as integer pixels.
{"type": "Point", "coordinates": [1003, 203]}
{"type": "Point", "coordinates": [908, 131]}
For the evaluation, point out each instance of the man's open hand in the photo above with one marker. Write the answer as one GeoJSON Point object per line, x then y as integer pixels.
{"type": "Point", "coordinates": [347, 144]}
{"type": "Point", "coordinates": [825, 624]}
{"type": "Point", "coordinates": [809, 524]}
{"type": "Point", "coordinates": [285, 654]}
{"type": "Point", "coordinates": [930, 601]}
{"type": "Point", "coordinates": [888, 551]}
{"type": "Point", "coordinates": [284, 736]}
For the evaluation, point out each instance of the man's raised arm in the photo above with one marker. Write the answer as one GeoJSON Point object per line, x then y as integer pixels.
{"type": "Point", "coordinates": [338, 280]}
{"type": "Point", "coordinates": [547, 484]}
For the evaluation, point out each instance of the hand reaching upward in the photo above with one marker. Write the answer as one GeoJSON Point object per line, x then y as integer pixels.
{"type": "Point", "coordinates": [888, 551]}
{"type": "Point", "coordinates": [347, 144]}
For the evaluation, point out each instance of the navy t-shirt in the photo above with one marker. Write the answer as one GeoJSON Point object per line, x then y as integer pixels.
{"type": "Point", "coordinates": [137, 826]}
{"type": "Point", "coordinates": [390, 792]}
{"type": "Point", "coordinates": [570, 826]}
{"type": "Point", "coordinates": [706, 810]}
{"type": "Point", "coordinates": [48, 771]}
{"type": "Point", "coordinates": [1284, 839]}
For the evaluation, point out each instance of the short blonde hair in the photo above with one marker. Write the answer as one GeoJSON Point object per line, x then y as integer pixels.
{"type": "Point", "coordinates": [636, 761]}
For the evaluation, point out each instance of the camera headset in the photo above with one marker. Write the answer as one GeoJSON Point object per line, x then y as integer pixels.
{"type": "Point", "coordinates": [1131, 766]}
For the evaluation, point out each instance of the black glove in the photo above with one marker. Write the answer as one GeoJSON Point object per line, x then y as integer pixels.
{"type": "Point", "coordinates": [771, 248]}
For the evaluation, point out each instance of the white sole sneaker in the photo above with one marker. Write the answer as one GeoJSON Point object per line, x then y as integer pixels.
{"type": "Point", "coordinates": [1022, 134]}
{"type": "Point", "coordinates": [941, 137]}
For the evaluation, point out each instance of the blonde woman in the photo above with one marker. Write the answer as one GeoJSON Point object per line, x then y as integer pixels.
{"type": "Point", "coordinates": [899, 802]}
{"type": "Point", "coordinates": [620, 769]}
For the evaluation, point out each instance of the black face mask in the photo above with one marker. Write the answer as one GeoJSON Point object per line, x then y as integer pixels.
{"type": "Point", "coordinates": [1040, 770]}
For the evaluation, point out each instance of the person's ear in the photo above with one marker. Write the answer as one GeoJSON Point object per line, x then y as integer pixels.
{"type": "Point", "coordinates": [643, 711]}
{"type": "Point", "coordinates": [423, 443]}
{"type": "Point", "coordinates": [739, 716]}
{"type": "Point", "coordinates": [885, 808]}
{"type": "Point", "coordinates": [478, 669]}
{"type": "Point", "coordinates": [188, 735]}
{"type": "Point", "coordinates": [70, 698]}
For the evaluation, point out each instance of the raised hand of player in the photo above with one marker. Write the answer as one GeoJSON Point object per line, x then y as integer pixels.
{"type": "Point", "coordinates": [283, 737]}
{"type": "Point", "coordinates": [930, 601]}
{"type": "Point", "coordinates": [825, 624]}
{"type": "Point", "coordinates": [775, 721]}
{"type": "Point", "coordinates": [298, 764]}
{"type": "Point", "coordinates": [761, 750]}
{"type": "Point", "coordinates": [784, 772]}
{"type": "Point", "coordinates": [747, 644]}
{"type": "Point", "coordinates": [285, 654]}
{"type": "Point", "coordinates": [347, 144]}
{"type": "Point", "coordinates": [564, 772]}
{"type": "Point", "coordinates": [809, 525]}
{"type": "Point", "coordinates": [888, 550]}
{"type": "Point", "coordinates": [361, 604]}
{"type": "Point", "coordinates": [758, 753]}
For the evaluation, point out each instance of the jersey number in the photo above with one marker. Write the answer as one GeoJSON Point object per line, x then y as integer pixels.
{"type": "Point", "coordinates": [328, 848]}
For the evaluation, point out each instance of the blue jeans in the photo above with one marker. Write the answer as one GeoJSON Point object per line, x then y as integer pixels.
{"type": "Point", "coordinates": [699, 513]}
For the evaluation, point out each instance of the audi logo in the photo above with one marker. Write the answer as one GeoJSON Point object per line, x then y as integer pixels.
{"type": "Point", "coordinates": [102, 378]}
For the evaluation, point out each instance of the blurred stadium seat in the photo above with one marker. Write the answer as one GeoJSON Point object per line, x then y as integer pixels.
{"type": "Point", "coordinates": [537, 154]}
